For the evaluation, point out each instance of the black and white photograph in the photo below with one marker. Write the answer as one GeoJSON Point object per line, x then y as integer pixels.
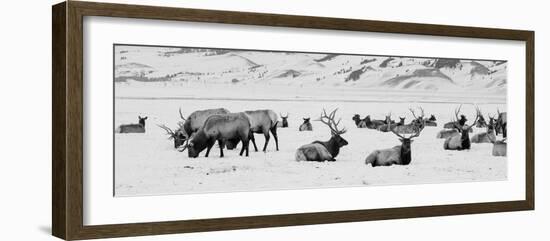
{"type": "Point", "coordinates": [201, 120]}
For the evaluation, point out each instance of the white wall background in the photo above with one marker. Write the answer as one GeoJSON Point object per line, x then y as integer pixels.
{"type": "Point", "coordinates": [25, 116]}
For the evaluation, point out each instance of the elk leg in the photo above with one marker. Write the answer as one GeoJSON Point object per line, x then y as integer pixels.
{"type": "Point", "coordinates": [210, 145]}
{"type": "Point", "coordinates": [220, 143]}
{"type": "Point", "coordinates": [253, 141]}
{"type": "Point", "coordinates": [266, 135]}
{"type": "Point", "coordinates": [274, 132]}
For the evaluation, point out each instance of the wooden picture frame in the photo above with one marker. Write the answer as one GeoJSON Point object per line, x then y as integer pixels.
{"type": "Point", "coordinates": [67, 122]}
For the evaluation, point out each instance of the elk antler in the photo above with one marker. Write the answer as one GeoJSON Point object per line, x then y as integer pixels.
{"type": "Point", "coordinates": [329, 121]}
{"type": "Point", "coordinates": [475, 121]}
{"type": "Point", "coordinates": [168, 130]}
{"type": "Point", "coordinates": [421, 112]}
{"type": "Point", "coordinates": [181, 115]}
{"type": "Point", "coordinates": [457, 112]}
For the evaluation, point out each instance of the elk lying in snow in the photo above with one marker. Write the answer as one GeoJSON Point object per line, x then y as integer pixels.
{"type": "Point", "coordinates": [306, 126]}
{"type": "Point", "coordinates": [462, 141]}
{"type": "Point", "coordinates": [373, 124]}
{"type": "Point", "coordinates": [499, 147]}
{"type": "Point", "coordinates": [262, 122]}
{"type": "Point", "coordinates": [481, 121]}
{"type": "Point", "coordinates": [430, 121]}
{"type": "Point", "coordinates": [398, 155]}
{"type": "Point", "coordinates": [195, 120]}
{"type": "Point", "coordinates": [225, 127]}
{"type": "Point", "coordinates": [359, 122]}
{"type": "Point", "coordinates": [324, 150]}
{"type": "Point", "coordinates": [487, 136]}
{"type": "Point", "coordinates": [389, 124]}
{"type": "Point", "coordinates": [284, 122]}
{"type": "Point", "coordinates": [452, 124]}
{"type": "Point", "coordinates": [413, 127]}
{"type": "Point", "coordinates": [133, 128]}
{"type": "Point", "coordinates": [446, 133]}
{"type": "Point", "coordinates": [501, 124]}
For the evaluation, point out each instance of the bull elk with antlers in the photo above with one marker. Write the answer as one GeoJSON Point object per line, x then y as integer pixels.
{"type": "Point", "coordinates": [398, 155]}
{"type": "Point", "coordinates": [462, 141]}
{"type": "Point", "coordinates": [324, 150]}
{"type": "Point", "coordinates": [487, 136]}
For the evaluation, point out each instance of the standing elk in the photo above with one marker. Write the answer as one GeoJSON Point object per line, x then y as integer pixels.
{"type": "Point", "coordinates": [398, 155]}
{"type": "Point", "coordinates": [324, 150]}
{"type": "Point", "coordinates": [284, 121]}
{"type": "Point", "coordinates": [462, 141]}
{"type": "Point", "coordinates": [133, 128]}
{"type": "Point", "coordinates": [501, 123]}
{"type": "Point", "coordinates": [306, 126]}
{"type": "Point", "coordinates": [263, 122]}
{"type": "Point", "coordinates": [195, 120]}
{"type": "Point", "coordinates": [220, 128]}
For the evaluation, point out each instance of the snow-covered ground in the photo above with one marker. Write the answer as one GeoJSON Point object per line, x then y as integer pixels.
{"type": "Point", "coordinates": [157, 81]}
{"type": "Point", "coordinates": [147, 164]}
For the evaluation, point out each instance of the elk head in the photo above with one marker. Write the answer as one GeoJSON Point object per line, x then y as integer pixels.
{"type": "Point", "coordinates": [481, 120]}
{"type": "Point", "coordinates": [285, 119]}
{"type": "Point", "coordinates": [462, 127]}
{"type": "Point", "coordinates": [405, 155]}
{"type": "Point", "coordinates": [142, 120]}
{"type": "Point", "coordinates": [178, 136]}
{"type": "Point", "coordinates": [333, 126]}
{"type": "Point", "coordinates": [195, 144]}
{"type": "Point", "coordinates": [401, 120]}
{"type": "Point", "coordinates": [432, 118]}
{"type": "Point", "coordinates": [419, 120]}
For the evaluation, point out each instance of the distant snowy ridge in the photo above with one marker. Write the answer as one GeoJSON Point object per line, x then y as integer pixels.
{"type": "Point", "coordinates": [236, 67]}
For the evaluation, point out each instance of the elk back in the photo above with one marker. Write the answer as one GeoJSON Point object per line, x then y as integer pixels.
{"type": "Point", "coordinates": [313, 152]}
{"type": "Point", "coordinates": [196, 119]}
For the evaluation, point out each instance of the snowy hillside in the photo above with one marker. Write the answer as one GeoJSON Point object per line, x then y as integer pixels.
{"type": "Point", "coordinates": [216, 66]}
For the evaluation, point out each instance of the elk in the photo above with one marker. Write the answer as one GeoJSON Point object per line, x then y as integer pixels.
{"type": "Point", "coordinates": [133, 128]}
{"type": "Point", "coordinates": [481, 121]}
{"type": "Point", "coordinates": [359, 122]}
{"type": "Point", "coordinates": [324, 150]}
{"type": "Point", "coordinates": [446, 133]}
{"type": "Point", "coordinates": [460, 121]}
{"type": "Point", "coordinates": [195, 120]}
{"type": "Point", "coordinates": [501, 123]}
{"type": "Point", "coordinates": [398, 155]}
{"type": "Point", "coordinates": [499, 147]}
{"type": "Point", "coordinates": [178, 136]}
{"type": "Point", "coordinates": [220, 128]}
{"type": "Point", "coordinates": [373, 124]}
{"type": "Point", "coordinates": [487, 136]}
{"type": "Point", "coordinates": [306, 126]}
{"type": "Point", "coordinates": [430, 121]}
{"type": "Point", "coordinates": [416, 124]}
{"type": "Point", "coordinates": [263, 122]}
{"type": "Point", "coordinates": [284, 122]}
{"type": "Point", "coordinates": [389, 124]}
{"type": "Point", "coordinates": [401, 121]}
{"type": "Point", "coordinates": [462, 141]}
